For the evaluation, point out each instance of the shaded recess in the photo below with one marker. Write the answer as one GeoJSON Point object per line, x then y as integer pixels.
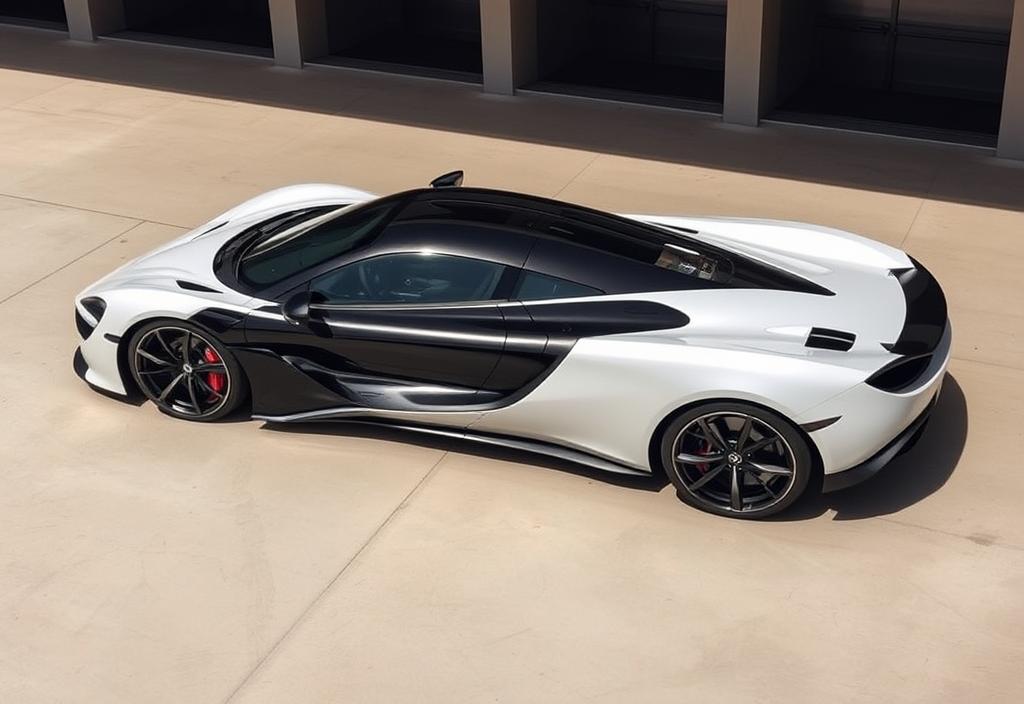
{"type": "Point", "coordinates": [439, 38]}
{"type": "Point", "coordinates": [657, 51]}
{"type": "Point", "coordinates": [38, 13]}
{"type": "Point", "coordinates": [924, 68]}
{"type": "Point", "coordinates": [241, 26]}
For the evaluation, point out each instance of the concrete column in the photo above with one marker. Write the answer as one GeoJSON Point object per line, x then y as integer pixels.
{"type": "Point", "coordinates": [750, 38]}
{"type": "Point", "coordinates": [299, 28]}
{"type": "Point", "coordinates": [508, 32]}
{"type": "Point", "coordinates": [89, 18]}
{"type": "Point", "coordinates": [1011, 126]}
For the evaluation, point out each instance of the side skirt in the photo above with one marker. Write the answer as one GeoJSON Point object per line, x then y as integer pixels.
{"type": "Point", "coordinates": [523, 444]}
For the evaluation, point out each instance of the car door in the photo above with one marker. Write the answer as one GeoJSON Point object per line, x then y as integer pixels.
{"type": "Point", "coordinates": [404, 330]}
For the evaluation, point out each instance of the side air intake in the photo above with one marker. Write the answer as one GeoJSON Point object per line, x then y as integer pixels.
{"type": "Point", "coordinates": [825, 339]}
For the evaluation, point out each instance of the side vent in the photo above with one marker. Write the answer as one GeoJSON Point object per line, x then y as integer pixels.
{"type": "Point", "coordinates": [825, 339]}
{"type": "Point", "coordinates": [190, 286]}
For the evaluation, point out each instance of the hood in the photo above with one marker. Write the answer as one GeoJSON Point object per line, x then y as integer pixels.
{"type": "Point", "coordinates": [189, 258]}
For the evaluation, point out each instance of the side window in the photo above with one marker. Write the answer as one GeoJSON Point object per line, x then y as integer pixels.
{"type": "Point", "coordinates": [414, 277]}
{"type": "Point", "coordinates": [537, 287]}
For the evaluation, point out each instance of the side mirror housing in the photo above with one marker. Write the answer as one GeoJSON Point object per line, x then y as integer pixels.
{"type": "Point", "coordinates": [296, 309]}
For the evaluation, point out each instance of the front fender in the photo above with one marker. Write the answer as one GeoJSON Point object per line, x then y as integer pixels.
{"type": "Point", "coordinates": [127, 308]}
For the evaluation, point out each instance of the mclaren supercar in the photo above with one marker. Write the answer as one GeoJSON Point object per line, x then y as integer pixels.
{"type": "Point", "coordinates": [741, 357]}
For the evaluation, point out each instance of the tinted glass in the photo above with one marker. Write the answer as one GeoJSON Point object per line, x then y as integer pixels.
{"type": "Point", "coordinates": [411, 278]}
{"type": "Point", "coordinates": [292, 250]}
{"type": "Point", "coordinates": [537, 287]}
{"type": "Point", "coordinates": [470, 213]}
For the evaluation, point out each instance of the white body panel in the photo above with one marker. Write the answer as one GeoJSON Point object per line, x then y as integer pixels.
{"type": "Point", "coordinates": [608, 396]}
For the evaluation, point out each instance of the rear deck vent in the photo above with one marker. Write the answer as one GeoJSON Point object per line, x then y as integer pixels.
{"type": "Point", "coordinates": [191, 286]}
{"type": "Point", "coordinates": [826, 339]}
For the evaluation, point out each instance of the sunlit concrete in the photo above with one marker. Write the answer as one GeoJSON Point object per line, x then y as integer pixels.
{"type": "Point", "coordinates": [148, 560]}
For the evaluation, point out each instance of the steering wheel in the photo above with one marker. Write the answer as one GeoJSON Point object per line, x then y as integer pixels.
{"type": "Point", "coordinates": [370, 284]}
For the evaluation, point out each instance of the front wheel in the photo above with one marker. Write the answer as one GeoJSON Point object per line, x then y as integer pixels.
{"type": "Point", "coordinates": [736, 459]}
{"type": "Point", "coordinates": [185, 371]}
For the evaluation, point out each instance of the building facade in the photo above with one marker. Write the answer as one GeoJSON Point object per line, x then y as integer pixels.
{"type": "Point", "coordinates": [947, 70]}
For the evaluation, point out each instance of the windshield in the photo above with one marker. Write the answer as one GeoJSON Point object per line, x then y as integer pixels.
{"type": "Point", "coordinates": [311, 242]}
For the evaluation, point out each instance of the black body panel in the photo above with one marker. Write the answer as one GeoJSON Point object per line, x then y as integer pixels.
{"type": "Point", "coordinates": [829, 339]}
{"type": "Point", "coordinates": [388, 357]}
{"type": "Point", "coordinates": [926, 312]}
{"type": "Point", "coordinates": [592, 318]}
{"type": "Point", "coordinates": [440, 345]}
{"type": "Point", "coordinates": [424, 358]}
{"type": "Point", "coordinates": [226, 323]}
{"type": "Point", "coordinates": [277, 387]}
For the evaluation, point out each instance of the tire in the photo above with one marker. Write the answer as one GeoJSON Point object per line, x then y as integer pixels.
{"type": "Point", "coordinates": [208, 387]}
{"type": "Point", "coordinates": [752, 475]}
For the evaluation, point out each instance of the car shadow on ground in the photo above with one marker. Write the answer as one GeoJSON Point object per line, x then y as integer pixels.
{"type": "Point", "coordinates": [908, 479]}
{"type": "Point", "coordinates": [467, 447]}
{"type": "Point", "coordinates": [911, 477]}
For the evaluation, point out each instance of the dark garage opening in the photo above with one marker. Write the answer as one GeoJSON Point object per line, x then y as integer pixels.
{"type": "Point", "coordinates": [241, 26]}
{"type": "Point", "coordinates": [923, 68]}
{"type": "Point", "coordinates": [661, 51]}
{"type": "Point", "coordinates": [438, 38]}
{"type": "Point", "coordinates": [35, 13]}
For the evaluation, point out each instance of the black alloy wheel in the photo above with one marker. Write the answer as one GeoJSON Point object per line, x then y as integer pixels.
{"type": "Point", "coordinates": [185, 371]}
{"type": "Point", "coordinates": [736, 459]}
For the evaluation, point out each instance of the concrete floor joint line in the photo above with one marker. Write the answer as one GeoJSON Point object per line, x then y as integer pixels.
{"type": "Point", "coordinates": [93, 210]}
{"type": "Point", "coordinates": [334, 580]}
{"type": "Point", "coordinates": [65, 265]}
{"type": "Point", "coordinates": [576, 176]}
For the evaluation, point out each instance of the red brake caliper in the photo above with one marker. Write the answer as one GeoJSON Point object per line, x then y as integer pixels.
{"type": "Point", "coordinates": [706, 450]}
{"type": "Point", "coordinates": [215, 380]}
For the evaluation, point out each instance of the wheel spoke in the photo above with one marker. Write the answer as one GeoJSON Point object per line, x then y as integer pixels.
{"type": "Point", "coordinates": [165, 370]}
{"type": "Point", "coordinates": [736, 494]}
{"type": "Point", "coordinates": [152, 358]}
{"type": "Point", "coordinates": [186, 344]}
{"type": "Point", "coordinates": [767, 469]}
{"type": "Point", "coordinates": [760, 445]}
{"type": "Point", "coordinates": [711, 474]}
{"type": "Point", "coordinates": [170, 387]}
{"type": "Point", "coordinates": [712, 435]}
{"type": "Point", "coordinates": [192, 394]}
{"type": "Point", "coordinates": [741, 441]}
{"type": "Point", "coordinates": [767, 488]}
{"type": "Point", "coordinates": [698, 459]}
{"type": "Point", "coordinates": [163, 343]}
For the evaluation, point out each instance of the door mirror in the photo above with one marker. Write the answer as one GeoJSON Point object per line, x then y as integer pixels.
{"type": "Point", "coordinates": [296, 309]}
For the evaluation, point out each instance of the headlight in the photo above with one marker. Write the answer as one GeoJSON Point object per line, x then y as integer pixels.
{"type": "Point", "coordinates": [95, 307]}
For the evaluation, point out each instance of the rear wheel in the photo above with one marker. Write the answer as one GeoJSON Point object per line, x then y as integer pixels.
{"type": "Point", "coordinates": [736, 459]}
{"type": "Point", "coordinates": [186, 371]}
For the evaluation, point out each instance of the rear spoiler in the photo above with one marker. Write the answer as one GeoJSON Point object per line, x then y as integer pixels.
{"type": "Point", "coordinates": [926, 312]}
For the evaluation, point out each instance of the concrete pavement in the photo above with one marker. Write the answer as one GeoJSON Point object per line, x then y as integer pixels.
{"type": "Point", "coordinates": [147, 560]}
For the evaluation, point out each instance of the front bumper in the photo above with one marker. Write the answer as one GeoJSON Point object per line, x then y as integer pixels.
{"type": "Point", "coordinates": [870, 467]}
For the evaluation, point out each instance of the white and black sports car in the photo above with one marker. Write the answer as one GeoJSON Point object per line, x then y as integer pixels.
{"type": "Point", "coordinates": [741, 357]}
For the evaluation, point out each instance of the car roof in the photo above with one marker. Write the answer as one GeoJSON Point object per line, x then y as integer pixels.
{"type": "Point", "coordinates": [547, 206]}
